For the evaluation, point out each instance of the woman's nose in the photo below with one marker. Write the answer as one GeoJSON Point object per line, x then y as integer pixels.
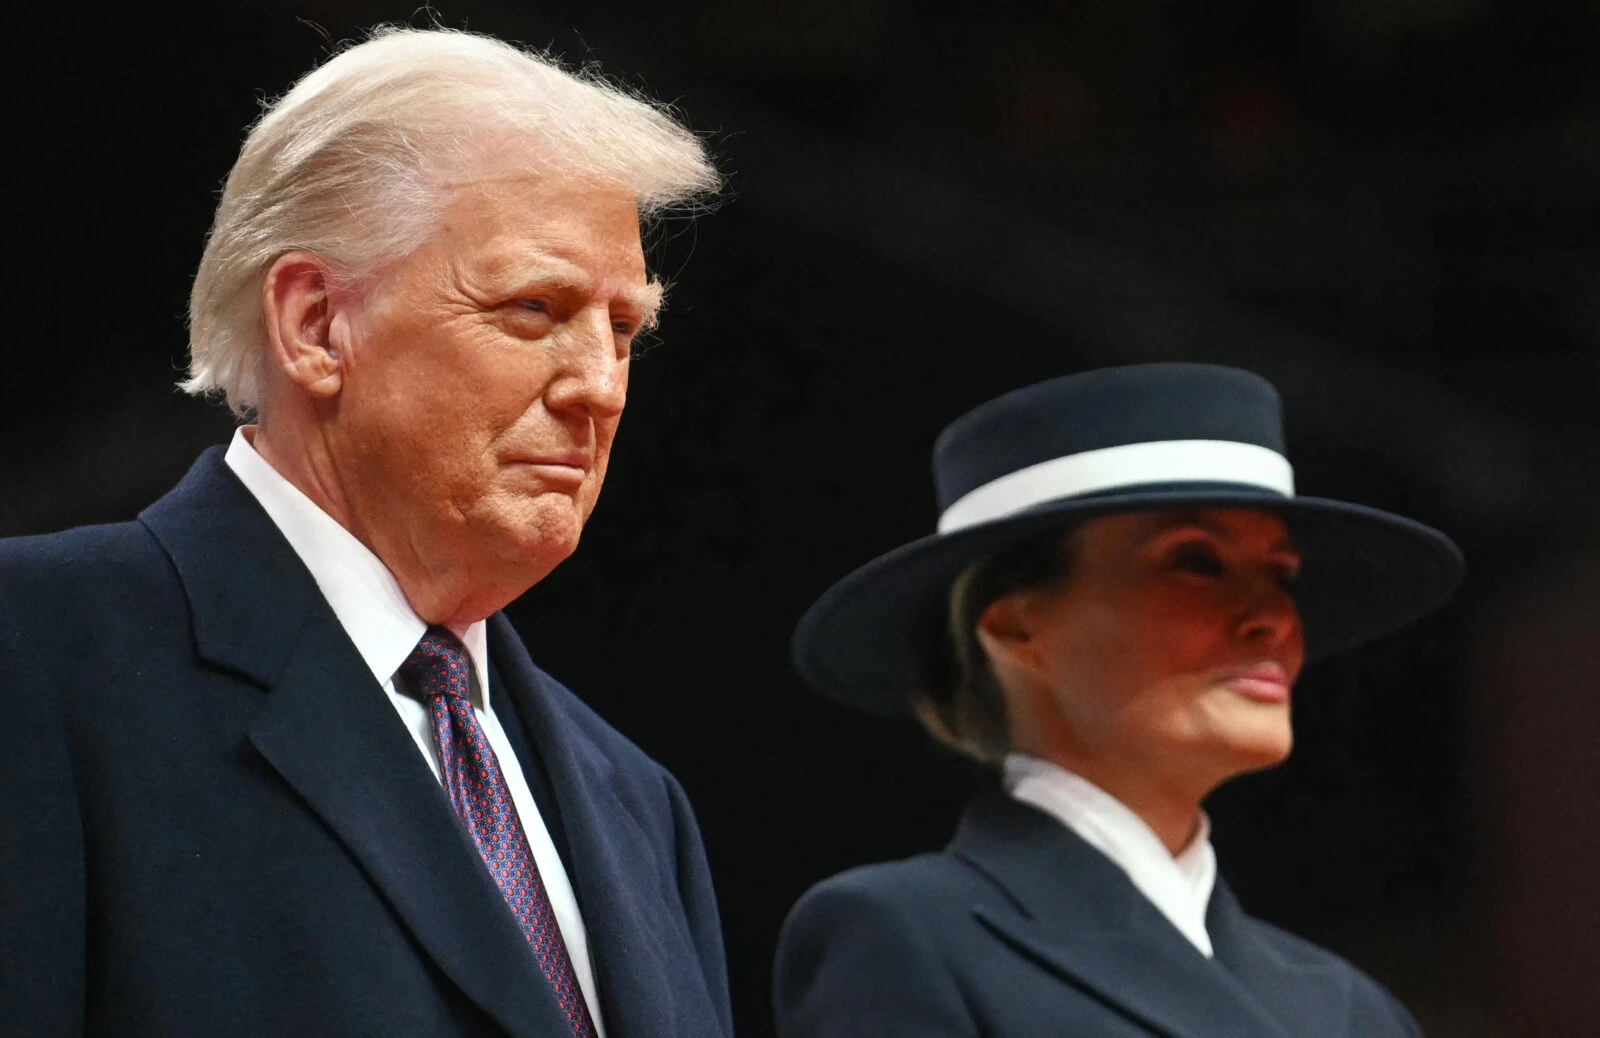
{"type": "Point", "coordinates": [1272, 616]}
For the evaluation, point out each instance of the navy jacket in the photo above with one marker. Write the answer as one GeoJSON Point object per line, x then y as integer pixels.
{"type": "Point", "coordinates": [212, 822]}
{"type": "Point", "coordinates": [1021, 929]}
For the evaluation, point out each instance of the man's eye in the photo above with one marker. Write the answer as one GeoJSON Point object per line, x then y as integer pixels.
{"type": "Point", "coordinates": [533, 305]}
{"type": "Point", "coordinates": [622, 328]}
{"type": "Point", "coordinates": [1289, 579]}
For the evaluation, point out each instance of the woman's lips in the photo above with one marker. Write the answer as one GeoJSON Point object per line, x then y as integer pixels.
{"type": "Point", "coordinates": [1264, 682]}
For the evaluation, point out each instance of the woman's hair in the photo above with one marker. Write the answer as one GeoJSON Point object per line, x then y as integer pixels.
{"type": "Point", "coordinates": [959, 700]}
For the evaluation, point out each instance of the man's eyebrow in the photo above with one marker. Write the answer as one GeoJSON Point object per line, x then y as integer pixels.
{"type": "Point", "coordinates": [645, 301]}
{"type": "Point", "coordinates": [545, 272]}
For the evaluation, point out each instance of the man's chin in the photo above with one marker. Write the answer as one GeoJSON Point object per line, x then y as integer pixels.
{"type": "Point", "coordinates": [539, 548]}
{"type": "Point", "coordinates": [520, 542]}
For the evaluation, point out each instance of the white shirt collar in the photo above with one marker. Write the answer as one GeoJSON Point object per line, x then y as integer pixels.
{"type": "Point", "coordinates": [362, 592]}
{"type": "Point", "coordinates": [1179, 886]}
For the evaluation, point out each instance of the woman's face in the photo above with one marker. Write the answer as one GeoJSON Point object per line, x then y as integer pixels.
{"type": "Point", "coordinates": [1170, 647]}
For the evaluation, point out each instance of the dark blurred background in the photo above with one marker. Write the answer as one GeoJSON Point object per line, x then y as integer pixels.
{"type": "Point", "coordinates": [1389, 207]}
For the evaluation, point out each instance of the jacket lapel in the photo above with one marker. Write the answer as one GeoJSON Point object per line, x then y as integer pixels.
{"type": "Point", "coordinates": [1312, 997]}
{"type": "Point", "coordinates": [645, 964]}
{"type": "Point", "coordinates": [330, 732]}
{"type": "Point", "coordinates": [1078, 914]}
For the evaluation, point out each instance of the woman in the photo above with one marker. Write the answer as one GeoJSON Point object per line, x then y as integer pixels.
{"type": "Point", "coordinates": [1120, 596]}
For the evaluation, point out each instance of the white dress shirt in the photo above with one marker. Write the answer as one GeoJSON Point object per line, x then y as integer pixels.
{"type": "Point", "coordinates": [374, 612]}
{"type": "Point", "coordinates": [1179, 885]}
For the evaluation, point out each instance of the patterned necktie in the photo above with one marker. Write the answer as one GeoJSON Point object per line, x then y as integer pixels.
{"type": "Point", "coordinates": [438, 669]}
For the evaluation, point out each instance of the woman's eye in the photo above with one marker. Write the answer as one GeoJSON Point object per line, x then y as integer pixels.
{"type": "Point", "coordinates": [1289, 580]}
{"type": "Point", "coordinates": [535, 306]}
{"type": "Point", "coordinates": [1198, 560]}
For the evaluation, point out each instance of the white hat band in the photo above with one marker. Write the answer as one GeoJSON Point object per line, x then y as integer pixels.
{"type": "Point", "coordinates": [1111, 468]}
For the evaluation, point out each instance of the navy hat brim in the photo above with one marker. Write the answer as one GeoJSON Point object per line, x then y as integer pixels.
{"type": "Point", "coordinates": [1365, 572]}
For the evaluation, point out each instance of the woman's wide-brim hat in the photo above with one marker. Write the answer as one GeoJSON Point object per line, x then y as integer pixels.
{"type": "Point", "coordinates": [1150, 436]}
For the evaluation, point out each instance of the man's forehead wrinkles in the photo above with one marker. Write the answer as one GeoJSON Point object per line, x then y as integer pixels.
{"type": "Point", "coordinates": [520, 261]}
{"type": "Point", "coordinates": [510, 251]}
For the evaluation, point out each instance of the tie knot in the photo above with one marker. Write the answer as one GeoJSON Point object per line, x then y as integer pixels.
{"type": "Point", "coordinates": [439, 665]}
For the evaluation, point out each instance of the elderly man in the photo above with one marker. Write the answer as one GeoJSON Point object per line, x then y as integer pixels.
{"type": "Point", "coordinates": [273, 762]}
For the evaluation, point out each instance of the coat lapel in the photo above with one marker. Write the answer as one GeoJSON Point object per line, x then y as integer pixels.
{"type": "Point", "coordinates": [330, 732]}
{"type": "Point", "coordinates": [645, 964]}
{"type": "Point", "coordinates": [1076, 913]}
{"type": "Point", "coordinates": [1312, 996]}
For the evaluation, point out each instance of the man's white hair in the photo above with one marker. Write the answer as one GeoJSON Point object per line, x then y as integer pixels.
{"type": "Point", "coordinates": [353, 164]}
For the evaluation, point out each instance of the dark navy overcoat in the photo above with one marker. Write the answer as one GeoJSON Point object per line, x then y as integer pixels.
{"type": "Point", "coordinates": [212, 821]}
{"type": "Point", "coordinates": [1020, 929]}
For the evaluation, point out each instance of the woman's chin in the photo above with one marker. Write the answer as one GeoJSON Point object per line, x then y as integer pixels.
{"type": "Point", "coordinates": [1262, 745]}
{"type": "Point", "coordinates": [1249, 737]}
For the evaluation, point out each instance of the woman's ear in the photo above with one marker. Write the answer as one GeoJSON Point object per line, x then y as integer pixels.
{"type": "Point", "coordinates": [1005, 632]}
{"type": "Point", "coordinates": [302, 327]}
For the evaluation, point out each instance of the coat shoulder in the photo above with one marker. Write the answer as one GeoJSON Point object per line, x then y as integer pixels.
{"type": "Point", "coordinates": [1292, 949]}
{"type": "Point", "coordinates": [81, 551]}
{"type": "Point", "coordinates": [875, 951]}
{"type": "Point", "coordinates": [922, 883]}
{"type": "Point", "coordinates": [897, 905]}
{"type": "Point", "coordinates": [67, 580]}
{"type": "Point", "coordinates": [1373, 1007]}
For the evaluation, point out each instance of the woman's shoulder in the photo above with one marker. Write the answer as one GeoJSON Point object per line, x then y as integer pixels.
{"type": "Point", "coordinates": [1372, 1005]}
{"type": "Point", "coordinates": [878, 950]}
{"type": "Point", "coordinates": [1293, 949]}
{"type": "Point", "coordinates": [911, 900]}
{"type": "Point", "coordinates": [921, 882]}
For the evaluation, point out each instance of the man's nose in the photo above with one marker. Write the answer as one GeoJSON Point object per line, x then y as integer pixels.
{"type": "Point", "coordinates": [594, 374]}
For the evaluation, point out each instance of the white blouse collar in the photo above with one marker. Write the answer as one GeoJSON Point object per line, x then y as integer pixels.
{"type": "Point", "coordinates": [1178, 885]}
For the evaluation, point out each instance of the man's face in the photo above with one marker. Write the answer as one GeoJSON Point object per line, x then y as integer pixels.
{"type": "Point", "coordinates": [484, 379]}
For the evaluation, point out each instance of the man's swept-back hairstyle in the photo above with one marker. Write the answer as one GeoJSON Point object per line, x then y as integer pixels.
{"type": "Point", "coordinates": [352, 164]}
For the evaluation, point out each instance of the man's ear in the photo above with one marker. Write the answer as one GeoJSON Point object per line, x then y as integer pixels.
{"type": "Point", "coordinates": [1005, 633]}
{"type": "Point", "coordinates": [298, 303]}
